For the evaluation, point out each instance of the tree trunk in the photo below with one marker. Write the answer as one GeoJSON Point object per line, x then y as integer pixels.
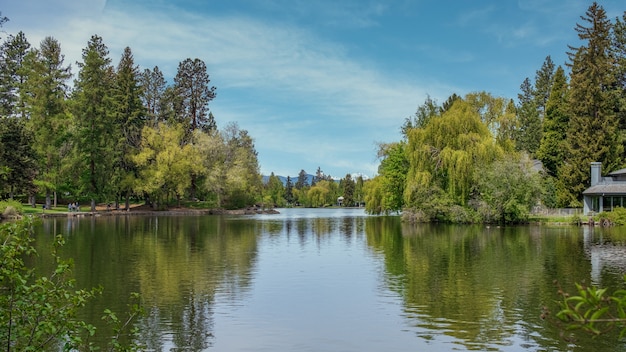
{"type": "Point", "coordinates": [48, 201]}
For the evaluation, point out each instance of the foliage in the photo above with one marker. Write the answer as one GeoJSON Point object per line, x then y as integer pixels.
{"type": "Point", "coordinates": [165, 165]}
{"type": "Point", "coordinates": [528, 135]}
{"type": "Point", "coordinates": [10, 207]}
{"type": "Point", "coordinates": [616, 217]}
{"type": "Point", "coordinates": [592, 133]}
{"type": "Point", "coordinates": [17, 157]}
{"type": "Point", "coordinates": [592, 310]}
{"type": "Point", "coordinates": [509, 188]}
{"type": "Point", "coordinates": [94, 119]}
{"type": "Point", "coordinates": [443, 154]}
{"type": "Point", "coordinates": [555, 125]}
{"type": "Point", "coordinates": [386, 194]}
{"type": "Point", "coordinates": [40, 312]}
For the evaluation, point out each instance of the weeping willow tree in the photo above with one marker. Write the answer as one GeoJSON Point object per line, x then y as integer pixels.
{"type": "Point", "coordinates": [443, 155]}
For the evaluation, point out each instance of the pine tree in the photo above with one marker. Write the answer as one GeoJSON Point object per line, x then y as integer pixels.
{"type": "Point", "coordinates": [543, 85]}
{"type": "Point", "coordinates": [129, 121]}
{"type": "Point", "coordinates": [13, 74]}
{"type": "Point", "coordinates": [288, 195]}
{"type": "Point", "coordinates": [95, 137]}
{"type": "Point", "coordinates": [555, 125]}
{"type": "Point", "coordinates": [302, 181]}
{"type": "Point", "coordinates": [528, 136]}
{"type": "Point", "coordinates": [153, 86]}
{"type": "Point", "coordinates": [192, 85]}
{"type": "Point", "coordinates": [46, 89]}
{"type": "Point", "coordinates": [593, 130]}
{"type": "Point", "coordinates": [348, 191]}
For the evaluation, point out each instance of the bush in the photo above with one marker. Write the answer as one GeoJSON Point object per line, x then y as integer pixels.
{"type": "Point", "coordinates": [10, 208]}
{"type": "Point", "coordinates": [40, 312]}
{"type": "Point", "coordinates": [615, 217]}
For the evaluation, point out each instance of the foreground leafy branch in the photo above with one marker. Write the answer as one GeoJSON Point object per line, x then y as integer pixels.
{"type": "Point", "coordinates": [592, 310]}
{"type": "Point", "coordinates": [40, 312]}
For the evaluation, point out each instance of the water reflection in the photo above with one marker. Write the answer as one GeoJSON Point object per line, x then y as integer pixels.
{"type": "Point", "coordinates": [482, 286]}
{"type": "Point", "coordinates": [332, 279]}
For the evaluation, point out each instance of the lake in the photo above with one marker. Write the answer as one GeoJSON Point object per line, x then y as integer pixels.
{"type": "Point", "coordinates": [337, 280]}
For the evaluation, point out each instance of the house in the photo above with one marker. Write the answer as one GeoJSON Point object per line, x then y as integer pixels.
{"type": "Point", "coordinates": [605, 193]}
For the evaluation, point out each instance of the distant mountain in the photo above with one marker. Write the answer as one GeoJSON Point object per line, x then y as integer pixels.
{"type": "Point", "coordinates": [283, 179]}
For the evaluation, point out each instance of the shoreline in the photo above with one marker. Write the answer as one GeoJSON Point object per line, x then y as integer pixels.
{"type": "Point", "coordinates": [144, 212]}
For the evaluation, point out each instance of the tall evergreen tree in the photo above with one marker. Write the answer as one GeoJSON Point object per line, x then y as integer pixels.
{"type": "Point", "coordinates": [192, 85]}
{"type": "Point", "coordinates": [18, 167]}
{"type": "Point", "coordinates": [302, 181]}
{"type": "Point", "coordinates": [46, 89]}
{"type": "Point", "coordinates": [13, 74]}
{"type": "Point", "coordinates": [424, 113]}
{"type": "Point", "coordinates": [153, 87]}
{"type": "Point", "coordinates": [288, 195]}
{"type": "Point", "coordinates": [93, 111]}
{"type": "Point", "coordinates": [348, 190]}
{"type": "Point", "coordinates": [593, 130]}
{"type": "Point", "coordinates": [529, 132]}
{"type": "Point", "coordinates": [619, 50]}
{"type": "Point", "coordinates": [543, 85]}
{"type": "Point", "coordinates": [129, 122]}
{"type": "Point", "coordinates": [555, 125]}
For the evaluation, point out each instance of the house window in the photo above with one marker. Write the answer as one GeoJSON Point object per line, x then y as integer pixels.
{"type": "Point", "coordinates": [595, 204]}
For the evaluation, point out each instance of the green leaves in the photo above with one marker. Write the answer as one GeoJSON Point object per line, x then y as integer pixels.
{"type": "Point", "coordinates": [39, 312]}
{"type": "Point", "coordinates": [593, 310]}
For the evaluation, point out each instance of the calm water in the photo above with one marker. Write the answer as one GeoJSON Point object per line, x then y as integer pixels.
{"type": "Point", "coordinates": [337, 280]}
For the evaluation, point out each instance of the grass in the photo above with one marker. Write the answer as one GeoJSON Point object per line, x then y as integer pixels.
{"type": "Point", "coordinates": [28, 209]}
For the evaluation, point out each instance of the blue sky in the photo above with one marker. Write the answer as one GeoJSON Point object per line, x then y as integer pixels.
{"type": "Point", "coordinates": [320, 83]}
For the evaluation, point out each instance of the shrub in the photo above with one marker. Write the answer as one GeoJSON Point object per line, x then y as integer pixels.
{"type": "Point", "coordinates": [40, 312]}
{"type": "Point", "coordinates": [616, 217]}
{"type": "Point", "coordinates": [10, 208]}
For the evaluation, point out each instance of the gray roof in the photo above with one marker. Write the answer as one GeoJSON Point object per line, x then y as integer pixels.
{"type": "Point", "coordinates": [618, 172]}
{"type": "Point", "coordinates": [607, 189]}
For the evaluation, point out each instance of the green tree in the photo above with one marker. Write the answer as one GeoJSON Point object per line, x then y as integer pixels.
{"type": "Point", "coordinates": [153, 86]}
{"type": "Point", "coordinates": [443, 154]}
{"type": "Point", "coordinates": [192, 85]}
{"type": "Point", "coordinates": [18, 164]}
{"type": "Point", "coordinates": [348, 190]}
{"type": "Point", "coordinates": [13, 74]}
{"type": "Point", "coordinates": [165, 163]}
{"type": "Point", "coordinates": [129, 121]}
{"type": "Point", "coordinates": [543, 85]}
{"type": "Point", "coordinates": [422, 116]}
{"type": "Point", "coordinates": [593, 133]}
{"type": "Point", "coordinates": [288, 195]}
{"type": "Point", "coordinates": [358, 190]}
{"type": "Point", "coordinates": [47, 89]}
{"type": "Point", "coordinates": [529, 133]}
{"type": "Point", "coordinates": [619, 50]}
{"type": "Point", "coordinates": [94, 118]}
{"type": "Point", "coordinates": [302, 181]}
{"type": "Point", "coordinates": [243, 179]}
{"type": "Point", "coordinates": [555, 123]}
{"type": "Point", "coordinates": [275, 190]}
{"type": "Point", "coordinates": [390, 182]}
{"type": "Point", "coordinates": [507, 190]}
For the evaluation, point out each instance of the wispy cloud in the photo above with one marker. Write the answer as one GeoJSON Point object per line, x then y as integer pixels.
{"type": "Point", "coordinates": [264, 72]}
